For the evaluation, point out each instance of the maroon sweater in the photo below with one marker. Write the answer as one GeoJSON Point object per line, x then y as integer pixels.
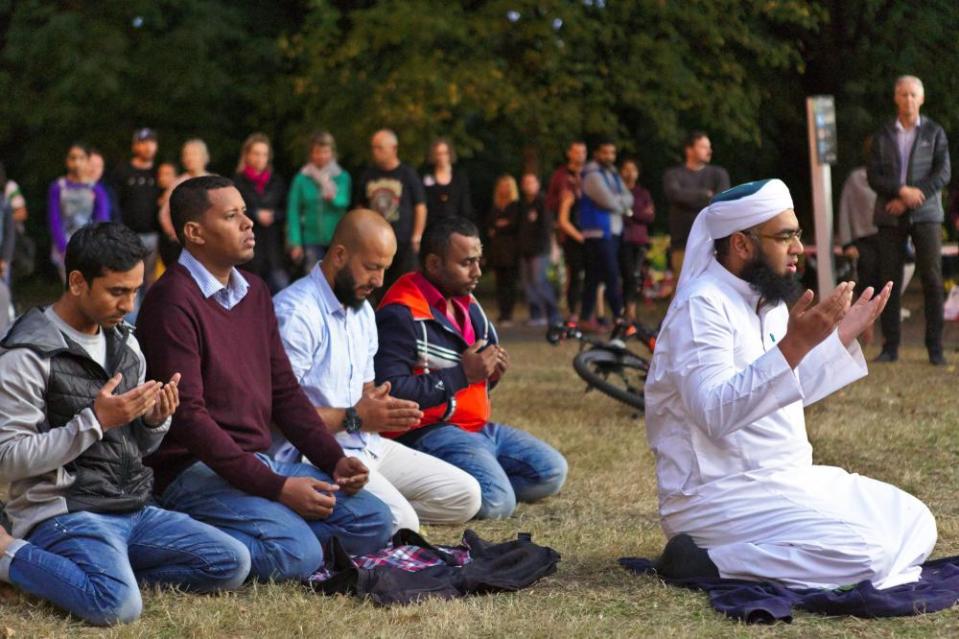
{"type": "Point", "coordinates": [236, 381]}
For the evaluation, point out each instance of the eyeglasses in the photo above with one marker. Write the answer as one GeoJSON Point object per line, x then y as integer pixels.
{"type": "Point", "coordinates": [785, 238]}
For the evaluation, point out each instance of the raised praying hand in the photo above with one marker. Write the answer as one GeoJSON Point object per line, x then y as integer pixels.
{"type": "Point", "coordinates": [863, 313]}
{"type": "Point", "coordinates": [809, 325]}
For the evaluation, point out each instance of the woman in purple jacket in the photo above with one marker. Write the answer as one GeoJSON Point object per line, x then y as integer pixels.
{"type": "Point", "coordinates": [632, 250]}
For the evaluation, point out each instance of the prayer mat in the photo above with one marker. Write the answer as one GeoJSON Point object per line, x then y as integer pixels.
{"type": "Point", "coordinates": [765, 602]}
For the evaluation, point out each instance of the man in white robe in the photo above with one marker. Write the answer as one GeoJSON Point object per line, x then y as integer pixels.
{"type": "Point", "coordinates": [732, 371]}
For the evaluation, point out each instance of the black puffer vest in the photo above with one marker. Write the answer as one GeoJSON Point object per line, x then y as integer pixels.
{"type": "Point", "coordinates": [109, 476]}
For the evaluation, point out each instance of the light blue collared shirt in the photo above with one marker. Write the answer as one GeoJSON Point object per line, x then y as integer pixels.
{"type": "Point", "coordinates": [330, 347]}
{"type": "Point", "coordinates": [226, 296]}
{"type": "Point", "coordinates": [905, 138]}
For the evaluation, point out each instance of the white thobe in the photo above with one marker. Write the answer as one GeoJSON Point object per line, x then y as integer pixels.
{"type": "Point", "coordinates": [724, 417]}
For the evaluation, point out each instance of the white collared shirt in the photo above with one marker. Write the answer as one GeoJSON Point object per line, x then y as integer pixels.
{"type": "Point", "coordinates": [330, 347]}
{"type": "Point", "coordinates": [226, 296]}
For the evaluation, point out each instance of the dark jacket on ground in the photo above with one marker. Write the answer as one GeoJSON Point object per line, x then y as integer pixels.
{"type": "Point", "coordinates": [929, 171]}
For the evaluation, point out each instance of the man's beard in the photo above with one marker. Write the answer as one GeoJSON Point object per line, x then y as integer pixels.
{"type": "Point", "coordinates": [344, 287]}
{"type": "Point", "coordinates": [772, 287]}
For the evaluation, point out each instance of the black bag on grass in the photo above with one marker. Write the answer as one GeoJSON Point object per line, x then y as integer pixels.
{"type": "Point", "coordinates": [488, 568]}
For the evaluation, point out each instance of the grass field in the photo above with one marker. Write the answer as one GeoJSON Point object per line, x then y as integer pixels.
{"type": "Point", "coordinates": [898, 425]}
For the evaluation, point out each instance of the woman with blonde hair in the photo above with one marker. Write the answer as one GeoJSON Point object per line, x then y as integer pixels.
{"type": "Point", "coordinates": [502, 256]}
{"type": "Point", "coordinates": [319, 197]}
{"type": "Point", "coordinates": [194, 158]}
{"type": "Point", "coordinates": [263, 192]}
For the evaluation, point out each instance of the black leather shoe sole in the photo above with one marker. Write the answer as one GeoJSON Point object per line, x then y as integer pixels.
{"type": "Point", "coordinates": [683, 559]}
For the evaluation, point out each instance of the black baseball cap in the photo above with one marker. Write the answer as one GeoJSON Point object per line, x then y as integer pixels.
{"type": "Point", "coordinates": [144, 134]}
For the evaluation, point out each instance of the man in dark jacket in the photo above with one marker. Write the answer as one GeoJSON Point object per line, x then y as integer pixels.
{"type": "Point", "coordinates": [76, 417]}
{"type": "Point", "coordinates": [438, 349]}
{"type": "Point", "coordinates": [908, 167]}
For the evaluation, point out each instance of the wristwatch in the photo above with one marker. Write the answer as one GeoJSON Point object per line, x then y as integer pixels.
{"type": "Point", "coordinates": [351, 421]}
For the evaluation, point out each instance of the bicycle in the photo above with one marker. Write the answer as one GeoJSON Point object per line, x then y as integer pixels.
{"type": "Point", "coordinates": [608, 365]}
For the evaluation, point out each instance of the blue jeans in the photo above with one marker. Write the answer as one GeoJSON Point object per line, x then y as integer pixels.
{"type": "Point", "coordinates": [539, 292]}
{"type": "Point", "coordinates": [282, 544]}
{"type": "Point", "coordinates": [510, 465]}
{"type": "Point", "coordinates": [89, 563]}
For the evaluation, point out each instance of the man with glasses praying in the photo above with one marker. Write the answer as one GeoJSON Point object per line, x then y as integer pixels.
{"type": "Point", "coordinates": [734, 367]}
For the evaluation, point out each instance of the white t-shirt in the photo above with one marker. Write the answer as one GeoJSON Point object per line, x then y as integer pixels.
{"type": "Point", "coordinates": [94, 345]}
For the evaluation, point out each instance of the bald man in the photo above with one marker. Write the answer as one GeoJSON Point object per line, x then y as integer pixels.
{"type": "Point", "coordinates": [329, 333]}
{"type": "Point", "coordinates": [395, 191]}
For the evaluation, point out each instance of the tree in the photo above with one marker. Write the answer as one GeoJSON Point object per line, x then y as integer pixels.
{"type": "Point", "coordinates": [511, 79]}
{"type": "Point", "coordinates": [94, 72]}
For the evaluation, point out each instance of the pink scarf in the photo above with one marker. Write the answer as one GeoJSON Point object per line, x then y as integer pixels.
{"type": "Point", "coordinates": [259, 178]}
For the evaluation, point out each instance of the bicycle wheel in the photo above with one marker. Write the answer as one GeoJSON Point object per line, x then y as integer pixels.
{"type": "Point", "coordinates": [614, 372]}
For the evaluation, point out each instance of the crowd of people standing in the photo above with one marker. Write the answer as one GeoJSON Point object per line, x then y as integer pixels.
{"type": "Point", "coordinates": [526, 230]}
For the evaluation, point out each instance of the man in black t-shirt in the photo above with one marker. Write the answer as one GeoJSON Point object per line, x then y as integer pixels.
{"type": "Point", "coordinates": [689, 187]}
{"type": "Point", "coordinates": [134, 185]}
{"type": "Point", "coordinates": [395, 191]}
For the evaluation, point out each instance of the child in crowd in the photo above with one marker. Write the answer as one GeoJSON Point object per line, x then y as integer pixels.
{"type": "Point", "coordinates": [73, 202]}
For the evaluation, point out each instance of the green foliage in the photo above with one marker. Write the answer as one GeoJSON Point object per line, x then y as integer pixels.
{"type": "Point", "coordinates": [537, 73]}
{"type": "Point", "coordinates": [867, 44]}
{"type": "Point", "coordinates": [96, 71]}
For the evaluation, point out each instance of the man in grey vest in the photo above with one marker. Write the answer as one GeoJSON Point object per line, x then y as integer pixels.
{"type": "Point", "coordinates": [908, 167]}
{"type": "Point", "coordinates": [76, 418]}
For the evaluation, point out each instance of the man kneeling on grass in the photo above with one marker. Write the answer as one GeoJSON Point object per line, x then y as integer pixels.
{"type": "Point", "coordinates": [76, 416]}
{"type": "Point", "coordinates": [216, 326]}
{"type": "Point", "coordinates": [438, 349]}
{"type": "Point", "coordinates": [739, 495]}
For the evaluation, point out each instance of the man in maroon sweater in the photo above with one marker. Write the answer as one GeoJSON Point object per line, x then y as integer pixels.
{"type": "Point", "coordinates": [216, 327]}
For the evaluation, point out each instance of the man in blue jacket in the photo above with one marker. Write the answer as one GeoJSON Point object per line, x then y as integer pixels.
{"type": "Point", "coordinates": [604, 202]}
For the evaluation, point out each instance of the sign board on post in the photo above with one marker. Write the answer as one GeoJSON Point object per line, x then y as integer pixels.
{"type": "Point", "coordinates": [821, 125]}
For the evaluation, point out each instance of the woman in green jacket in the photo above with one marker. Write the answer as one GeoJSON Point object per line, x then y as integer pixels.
{"type": "Point", "coordinates": [319, 197]}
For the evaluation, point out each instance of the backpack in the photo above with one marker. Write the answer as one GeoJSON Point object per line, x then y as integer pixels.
{"type": "Point", "coordinates": [411, 569]}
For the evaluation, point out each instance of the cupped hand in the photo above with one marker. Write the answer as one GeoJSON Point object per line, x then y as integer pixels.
{"type": "Point", "coordinates": [863, 313]}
